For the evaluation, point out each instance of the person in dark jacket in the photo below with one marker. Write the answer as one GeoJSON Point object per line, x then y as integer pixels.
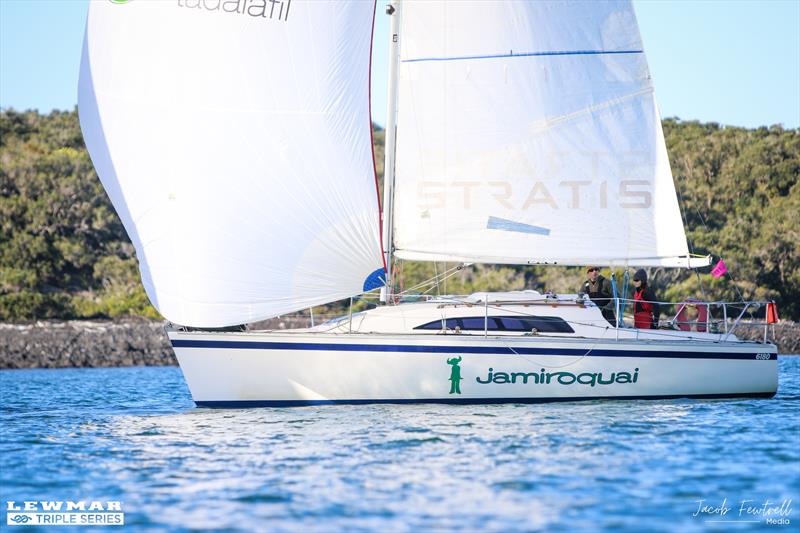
{"type": "Point", "coordinates": [599, 290]}
{"type": "Point", "coordinates": [645, 308]}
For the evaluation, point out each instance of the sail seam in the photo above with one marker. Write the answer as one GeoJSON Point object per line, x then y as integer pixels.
{"type": "Point", "coordinates": [526, 54]}
{"type": "Point", "coordinates": [547, 123]}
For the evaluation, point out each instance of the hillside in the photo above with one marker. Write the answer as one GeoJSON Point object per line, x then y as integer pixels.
{"type": "Point", "coordinates": [65, 254]}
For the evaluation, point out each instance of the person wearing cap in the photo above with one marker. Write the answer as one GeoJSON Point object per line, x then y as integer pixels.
{"type": "Point", "coordinates": [599, 290]}
{"type": "Point", "coordinates": [645, 308]}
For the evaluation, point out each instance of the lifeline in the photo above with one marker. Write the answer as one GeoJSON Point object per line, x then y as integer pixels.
{"type": "Point", "coordinates": [563, 378]}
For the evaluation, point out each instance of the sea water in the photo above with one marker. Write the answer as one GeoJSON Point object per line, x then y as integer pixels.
{"type": "Point", "coordinates": [134, 436]}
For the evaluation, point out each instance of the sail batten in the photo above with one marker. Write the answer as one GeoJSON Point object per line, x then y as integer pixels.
{"type": "Point", "coordinates": [528, 132]}
{"type": "Point", "coordinates": [237, 152]}
{"type": "Point", "coordinates": [525, 54]}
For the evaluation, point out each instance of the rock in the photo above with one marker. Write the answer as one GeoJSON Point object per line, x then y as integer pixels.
{"type": "Point", "coordinates": [142, 342]}
{"type": "Point", "coordinates": [786, 334]}
{"type": "Point", "coordinates": [85, 343]}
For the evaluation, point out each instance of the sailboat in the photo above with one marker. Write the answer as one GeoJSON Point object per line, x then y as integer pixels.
{"type": "Point", "coordinates": [234, 140]}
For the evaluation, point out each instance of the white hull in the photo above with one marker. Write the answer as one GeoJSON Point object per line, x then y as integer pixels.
{"type": "Point", "coordinates": [284, 369]}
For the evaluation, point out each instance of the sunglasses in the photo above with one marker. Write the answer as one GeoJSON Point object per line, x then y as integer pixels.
{"type": "Point", "coordinates": [634, 279]}
{"type": "Point", "coordinates": [593, 270]}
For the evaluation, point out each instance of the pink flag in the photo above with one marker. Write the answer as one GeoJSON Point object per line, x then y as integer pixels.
{"type": "Point", "coordinates": [719, 269]}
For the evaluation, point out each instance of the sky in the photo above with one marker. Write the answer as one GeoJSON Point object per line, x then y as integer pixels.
{"type": "Point", "coordinates": [735, 62]}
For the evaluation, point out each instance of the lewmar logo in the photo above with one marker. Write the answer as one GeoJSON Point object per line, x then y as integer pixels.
{"type": "Point", "coordinates": [64, 513]}
{"type": "Point", "coordinates": [265, 9]}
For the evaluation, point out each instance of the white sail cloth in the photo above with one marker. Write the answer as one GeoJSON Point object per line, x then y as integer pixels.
{"type": "Point", "coordinates": [234, 141]}
{"type": "Point", "coordinates": [528, 132]}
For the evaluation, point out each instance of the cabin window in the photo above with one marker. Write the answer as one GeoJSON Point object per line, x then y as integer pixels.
{"type": "Point", "coordinates": [546, 324]}
{"type": "Point", "coordinates": [450, 323]}
{"type": "Point", "coordinates": [476, 323]}
{"type": "Point", "coordinates": [543, 324]}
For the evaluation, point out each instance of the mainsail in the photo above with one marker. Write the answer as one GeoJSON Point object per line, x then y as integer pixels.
{"type": "Point", "coordinates": [235, 144]}
{"type": "Point", "coordinates": [528, 132]}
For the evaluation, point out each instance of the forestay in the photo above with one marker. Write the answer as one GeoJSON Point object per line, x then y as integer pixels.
{"type": "Point", "coordinates": [528, 132]}
{"type": "Point", "coordinates": [234, 141]}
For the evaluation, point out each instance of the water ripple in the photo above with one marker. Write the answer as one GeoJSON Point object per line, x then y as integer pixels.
{"type": "Point", "coordinates": [134, 435]}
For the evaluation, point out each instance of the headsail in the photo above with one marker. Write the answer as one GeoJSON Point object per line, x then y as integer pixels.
{"type": "Point", "coordinates": [528, 132]}
{"type": "Point", "coordinates": [235, 145]}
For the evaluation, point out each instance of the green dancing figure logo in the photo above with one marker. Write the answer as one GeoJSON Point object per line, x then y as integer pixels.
{"type": "Point", "coordinates": [455, 375]}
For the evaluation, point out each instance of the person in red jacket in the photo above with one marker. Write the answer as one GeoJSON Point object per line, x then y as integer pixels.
{"type": "Point", "coordinates": [645, 310]}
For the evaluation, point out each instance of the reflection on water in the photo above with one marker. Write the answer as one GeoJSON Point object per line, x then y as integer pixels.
{"type": "Point", "coordinates": [134, 435]}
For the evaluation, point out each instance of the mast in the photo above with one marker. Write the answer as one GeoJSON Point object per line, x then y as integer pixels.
{"type": "Point", "coordinates": [393, 10]}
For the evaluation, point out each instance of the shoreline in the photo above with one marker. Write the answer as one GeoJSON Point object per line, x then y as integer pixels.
{"type": "Point", "coordinates": [135, 341]}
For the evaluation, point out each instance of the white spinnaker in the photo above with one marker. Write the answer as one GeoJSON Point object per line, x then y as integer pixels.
{"type": "Point", "coordinates": [236, 148]}
{"type": "Point", "coordinates": [528, 132]}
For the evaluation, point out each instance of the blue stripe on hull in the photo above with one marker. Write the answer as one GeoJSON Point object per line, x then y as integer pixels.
{"type": "Point", "coordinates": [498, 350]}
{"type": "Point", "coordinates": [221, 404]}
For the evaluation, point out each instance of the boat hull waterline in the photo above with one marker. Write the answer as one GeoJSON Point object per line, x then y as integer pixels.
{"type": "Point", "coordinates": [278, 369]}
